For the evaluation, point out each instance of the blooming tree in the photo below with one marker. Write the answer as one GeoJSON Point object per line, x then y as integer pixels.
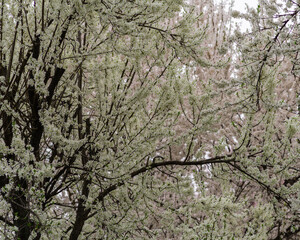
{"type": "Point", "coordinates": [126, 120]}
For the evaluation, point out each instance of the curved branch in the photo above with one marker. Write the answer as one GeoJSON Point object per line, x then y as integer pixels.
{"type": "Point", "coordinates": [264, 60]}
{"type": "Point", "coordinates": [153, 165]}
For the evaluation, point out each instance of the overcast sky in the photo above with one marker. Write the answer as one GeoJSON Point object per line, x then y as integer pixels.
{"type": "Point", "coordinates": [241, 7]}
{"type": "Point", "coordinates": [240, 4]}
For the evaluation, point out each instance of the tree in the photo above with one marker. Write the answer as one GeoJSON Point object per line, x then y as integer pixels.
{"type": "Point", "coordinates": [269, 62]}
{"type": "Point", "coordinates": [119, 121]}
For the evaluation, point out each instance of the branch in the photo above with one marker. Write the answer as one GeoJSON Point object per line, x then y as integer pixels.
{"type": "Point", "coordinates": [153, 165]}
{"type": "Point", "coordinates": [1, 31]}
{"type": "Point", "coordinates": [277, 195]}
{"type": "Point", "coordinates": [220, 159]}
{"type": "Point", "coordinates": [6, 221]}
{"type": "Point", "coordinates": [263, 62]}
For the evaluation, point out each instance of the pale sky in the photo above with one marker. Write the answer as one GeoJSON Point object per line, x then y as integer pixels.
{"type": "Point", "coordinates": [240, 4]}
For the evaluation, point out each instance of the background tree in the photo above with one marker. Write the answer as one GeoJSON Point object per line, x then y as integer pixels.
{"type": "Point", "coordinates": [112, 113]}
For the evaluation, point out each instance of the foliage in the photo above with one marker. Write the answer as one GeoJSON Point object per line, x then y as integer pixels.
{"type": "Point", "coordinates": [128, 120]}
